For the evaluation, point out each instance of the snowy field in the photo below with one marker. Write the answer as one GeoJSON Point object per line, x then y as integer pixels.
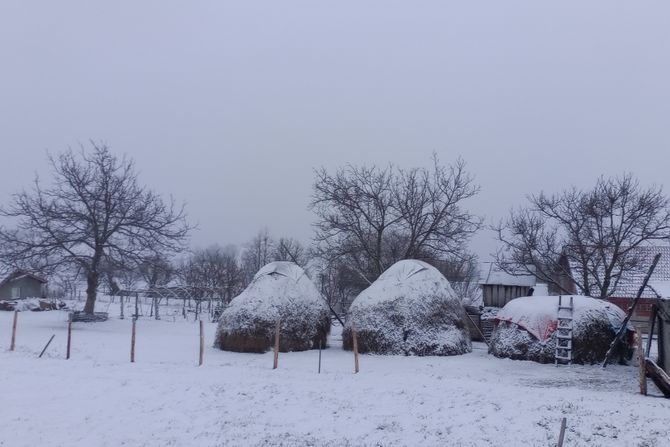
{"type": "Point", "coordinates": [98, 398]}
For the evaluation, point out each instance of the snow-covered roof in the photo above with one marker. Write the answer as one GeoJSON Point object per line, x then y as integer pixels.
{"type": "Point", "coordinates": [19, 274]}
{"type": "Point", "coordinates": [492, 275]}
{"type": "Point", "coordinates": [630, 283]}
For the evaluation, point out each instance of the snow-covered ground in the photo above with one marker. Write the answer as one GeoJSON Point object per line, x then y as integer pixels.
{"type": "Point", "coordinates": [99, 398]}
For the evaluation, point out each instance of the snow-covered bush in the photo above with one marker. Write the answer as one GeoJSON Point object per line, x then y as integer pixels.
{"type": "Point", "coordinates": [280, 291]}
{"type": "Point", "coordinates": [411, 309]}
{"type": "Point", "coordinates": [526, 329]}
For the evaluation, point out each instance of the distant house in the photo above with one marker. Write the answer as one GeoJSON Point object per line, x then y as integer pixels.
{"type": "Point", "coordinates": [499, 287]}
{"type": "Point", "coordinates": [21, 284]}
{"type": "Point", "coordinates": [628, 286]}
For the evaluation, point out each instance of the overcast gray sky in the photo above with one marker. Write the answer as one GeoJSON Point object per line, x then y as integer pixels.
{"type": "Point", "coordinates": [230, 105]}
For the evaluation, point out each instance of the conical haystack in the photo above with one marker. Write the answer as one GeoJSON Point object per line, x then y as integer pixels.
{"type": "Point", "coordinates": [280, 291]}
{"type": "Point", "coordinates": [411, 309]}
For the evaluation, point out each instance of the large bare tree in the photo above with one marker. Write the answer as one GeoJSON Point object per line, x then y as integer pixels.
{"type": "Point", "coordinates": [588, 239]}
{"type": "Point", "coordinates": [94, 213]}
{"type": "Point", "coordinates": [371, 217]}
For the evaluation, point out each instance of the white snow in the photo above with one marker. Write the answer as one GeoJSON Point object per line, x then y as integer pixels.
{"type": "Point", "coordinates": [276, 285]}
{"type": "Point", "coordinates": [99, 398]}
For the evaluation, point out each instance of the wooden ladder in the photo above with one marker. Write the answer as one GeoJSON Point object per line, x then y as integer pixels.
{"type": "Point", "coordinates": [563, 353]}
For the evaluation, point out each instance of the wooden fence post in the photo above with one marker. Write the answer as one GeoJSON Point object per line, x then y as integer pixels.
{"type": "Point", "coordinates": [69, 339]}
{"type": "Point", "coordinates": [561, 436]}
{"type": "Point", "coordinates": [13, 344]}
{"type": "Point", "coordinates": [641, 359]}
{"type": "Point", "coordinates": [201, 358]}
{"type": "Point", "coordinates": [132, 343]}
{"type": "Point", "coordinates": [121, 301]}
{"type": "Point", "coordinates": [319, 372]}
{"type": "Point", "coordinates": [354, 335]}
{"type": "Point", "coordinates": [276, 348]}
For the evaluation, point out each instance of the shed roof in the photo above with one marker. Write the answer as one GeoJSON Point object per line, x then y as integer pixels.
{"type": "Point", "coordinates": [19, 274]}
{"type": "Point", "coordinates": [492, 275]}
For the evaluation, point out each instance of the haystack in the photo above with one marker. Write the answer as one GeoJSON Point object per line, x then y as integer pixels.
{"type": "Point", "coordinates": [410, 310]}
{"type": "Point", "coordinates": [526, 329]}
{"type": "Point", "coordinates": [280, 291]}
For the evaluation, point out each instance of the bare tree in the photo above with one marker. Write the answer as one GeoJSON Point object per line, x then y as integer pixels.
{"type": "Point", "coordinates": [585, 239]}
{"type": "Point", "coordinates": [95, 212]}
{"type": "Point", "coordinates": [462, 271]}
{"type": "Point", "coordinates": [157, 270]}
{"type": "Point", "coordinates": [215, 269]}
{"type": "Point", "coordinates": [371, 217]}
{"type": "Point", "coordinates": [289, 249]}
{"type": "Point", "coordinates": [256, 253]}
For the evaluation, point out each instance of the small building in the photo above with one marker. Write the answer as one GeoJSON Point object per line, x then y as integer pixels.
{"type": "Point", "coordinates": [21, 284]}
{"type": "Point", "coordinates": [499, 287]}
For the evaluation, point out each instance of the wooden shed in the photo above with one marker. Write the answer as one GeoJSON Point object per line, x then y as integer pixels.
{"type": "Point", "coordinates": [499, 288]}
{"type": "Point", "coordinates": [21, 284]}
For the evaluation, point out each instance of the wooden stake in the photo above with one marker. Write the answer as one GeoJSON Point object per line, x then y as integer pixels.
{"type": "Point", "coordinates": [121, 301]}
{"type": "Point", "coordinates": [354, 335]}
{"type": "Point", "coordinates": [561, 436]}
{"type": "Point", "coordinates": [132, 344]}
{"type": "Point", "coordinates": [319, 357]}
{"type": "Point", "coordinates": [652, 325]}
{"type": "Point", "coordinates": [13, 345]}
{"type": "Point", "coordinates": [69, 339]}
{"type": "Point", "coordinates": [276, 350]}
{"type": "Point", "coordinates": [201, 358]}
{"type": "Point", "coordinates": [641, 359]}
{"type": "Point", "coordinates": [45, 347]}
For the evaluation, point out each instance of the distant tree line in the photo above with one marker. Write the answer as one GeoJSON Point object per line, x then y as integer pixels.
{"type": "Point", "coordinates": [95, 222]}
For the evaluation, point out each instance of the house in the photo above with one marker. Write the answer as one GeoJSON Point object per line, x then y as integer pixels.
{"type": "Point", "coordinates": [629, 284]}
{"type": "Point", "coordinates": [21, 284]}
{"type": "Point", "coordinates": [499, 287]}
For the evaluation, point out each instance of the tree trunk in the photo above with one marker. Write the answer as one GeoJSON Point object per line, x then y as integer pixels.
{"type": "Point", "coordinates": [91, 292]}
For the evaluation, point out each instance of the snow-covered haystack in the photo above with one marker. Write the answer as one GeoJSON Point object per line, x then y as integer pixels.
{"type": "Point", "coordinates": [280, 291]}
{"type": "Point", "coordinates": [410, 309]}
{"type": "Point", "coordinates": [526, 329]}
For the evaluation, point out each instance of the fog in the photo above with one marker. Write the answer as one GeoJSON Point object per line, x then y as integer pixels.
{"type": "Point", "coordinates": [229, 106]}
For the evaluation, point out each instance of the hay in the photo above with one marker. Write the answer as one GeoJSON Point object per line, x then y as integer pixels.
{"type": "Point", "coordinates": [410, 310]}
{"type": "Point", "coordinates": [526, 330]}
{"type": "Point", "coordinates": [280, 291]}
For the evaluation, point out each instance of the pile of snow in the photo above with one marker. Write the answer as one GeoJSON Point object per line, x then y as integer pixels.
{"type": "Point", "coordinates": [526, 328]}
{"type": "Point", "coordinates": [280, 291]}
{"type": "Point", "coordinates": [31, 304]}
{"type": "Point", "coordinates": [411, 309]}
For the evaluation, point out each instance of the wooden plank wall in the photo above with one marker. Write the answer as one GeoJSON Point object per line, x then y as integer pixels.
{"type": "Point", "coordinates": [496, 295]}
